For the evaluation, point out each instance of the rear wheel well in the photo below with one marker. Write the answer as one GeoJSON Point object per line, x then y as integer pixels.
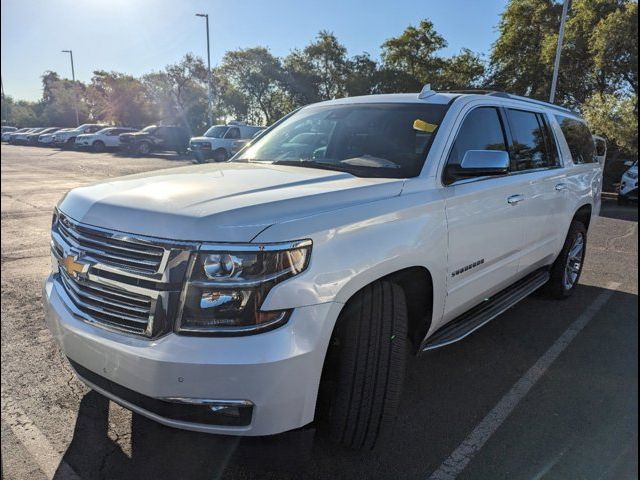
{"type": "Point", "coordinates": [583, 215]}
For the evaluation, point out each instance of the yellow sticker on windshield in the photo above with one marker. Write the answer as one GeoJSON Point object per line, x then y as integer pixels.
{"type": "Point", "coordinates": [424, 126]}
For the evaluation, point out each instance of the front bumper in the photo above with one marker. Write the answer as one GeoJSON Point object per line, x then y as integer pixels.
{"type": "Point", "coordinates": [276, 372]}
{"type": "Point", "coordinates": [200, 152]}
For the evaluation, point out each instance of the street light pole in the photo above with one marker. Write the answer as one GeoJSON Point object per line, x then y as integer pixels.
{"type": "Point", "coordinates": [209, 91]}
{"type": "Point", "coordinates": [556, 66]}
{"type": "Point", "coordinates": [73, 77]}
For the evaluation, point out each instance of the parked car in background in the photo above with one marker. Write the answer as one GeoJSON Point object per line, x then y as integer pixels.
{"type": "Point", "coordinates": [20, 138]}
{"type": "Point", "coordinates": [235, 298]}
{"type": "Point", "coordinates": [46, 140]}
{"type": "Point", "coordinates": [221, 142]}
{"type": "Point", "coordinates": [102, 139]}
{"type": "Point", "coordinates": [8, 129]}
{"type": "Point", "coordinates": [629, 184]}
{"type": "Point", "coordinates": [67, 138]}
{"type": "Point", "coordinates": [6, 135]}
{"type": "Point", "coordinates": [32, 137]}
{"type": "Point", "coordinates": [156, 138]}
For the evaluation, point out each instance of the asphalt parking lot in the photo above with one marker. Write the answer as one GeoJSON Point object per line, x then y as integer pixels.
{"type": "Point", "coordinates": [548, 390]}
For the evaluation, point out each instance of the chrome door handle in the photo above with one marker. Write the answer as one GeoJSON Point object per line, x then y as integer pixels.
{"type": "Point", "coordinates": [561, 187]}
{"type": "Point", "coordinates": [515, 199]}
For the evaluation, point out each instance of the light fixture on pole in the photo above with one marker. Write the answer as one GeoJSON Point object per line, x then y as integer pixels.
{"type": "Point", "coordinates": [209, 90]}
{"type": "Point", "coordinates": [73, 78]}
{"type": "Point", "coordinates": [556, 65]}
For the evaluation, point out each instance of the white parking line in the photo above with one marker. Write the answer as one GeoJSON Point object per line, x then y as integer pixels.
{"type": "Point", "coordinates": [461, 456]}
{"type": "Point", "coordinates": [37, 445]}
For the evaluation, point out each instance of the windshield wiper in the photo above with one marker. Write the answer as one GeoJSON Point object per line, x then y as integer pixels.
{"type": "Point", "coordinates": [320, 165]}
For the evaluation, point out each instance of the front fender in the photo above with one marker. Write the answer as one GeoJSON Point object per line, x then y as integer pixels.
{"type": "Point", "coordinates": [355, 246]}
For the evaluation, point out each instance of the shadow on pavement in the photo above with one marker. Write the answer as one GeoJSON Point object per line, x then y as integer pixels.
{"type": "Point", "coordinates": [158, 155]}
{"type": "Point", "coordinates": [447, 392]}
{"type": "Point", "coordinates": [610, 209]}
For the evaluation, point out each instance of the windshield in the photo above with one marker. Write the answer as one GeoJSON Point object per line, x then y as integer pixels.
{"type": "Point", "coordinates": [367, 140]}
{"type": "Point", "coordinates": [216, 131]}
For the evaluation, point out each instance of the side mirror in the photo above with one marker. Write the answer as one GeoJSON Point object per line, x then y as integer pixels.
{"type": "Point", "coordinates": [482, 163]}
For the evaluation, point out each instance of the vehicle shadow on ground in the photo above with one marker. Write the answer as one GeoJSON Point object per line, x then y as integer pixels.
{"type": "Point", "coordinates": [447, 392]}
{"type": "Point", "coordinates": [610, 209]}
{"type": "Point", "coordinates": [158, 155]}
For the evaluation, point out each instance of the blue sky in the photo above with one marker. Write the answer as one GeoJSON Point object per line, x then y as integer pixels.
{"type": "Point", "coordinates": [139, 36]}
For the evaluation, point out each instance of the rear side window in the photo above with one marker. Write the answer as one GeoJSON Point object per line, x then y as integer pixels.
{"type": "Point", "coordinates": [233, 134]}
{"type": "Point", "coordinates": [533, 144]}
{"type": "Point", "coordinates": [481, 130]}
{"type": "Point", "coordinates": [579, 139]}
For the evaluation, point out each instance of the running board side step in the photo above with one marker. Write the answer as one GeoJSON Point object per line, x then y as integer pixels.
{"type": "Point", "coordinates": [478, 316]}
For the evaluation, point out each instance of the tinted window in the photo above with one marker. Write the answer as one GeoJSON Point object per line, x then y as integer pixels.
{"type": "Point", "coordinates": [533, 144]}
{"type": "Point", "coordinates": [233, 133]}
{"type": "Point", "coordinates": [481, 130]}
{"type": "Point", "coordinates": [579, 139]}
{"type": "Point", "coordinates": [368, 140]}
{"type": "Point", "coordinates": [216, 131]}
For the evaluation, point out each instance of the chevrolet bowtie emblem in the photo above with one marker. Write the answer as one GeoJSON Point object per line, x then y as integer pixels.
{"type": "Point", "coordinates": [74, 267]}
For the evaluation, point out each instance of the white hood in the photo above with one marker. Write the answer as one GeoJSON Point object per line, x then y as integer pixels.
{"type": "Point", "coordinates": [228, 202]}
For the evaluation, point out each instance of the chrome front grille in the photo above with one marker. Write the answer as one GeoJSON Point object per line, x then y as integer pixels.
{"type": "Point", "coordinates": [104, 247]}
{"type": "Point", "coordinates": [117, 308]}
{"type": "Point", "coordinates": [119, 281]}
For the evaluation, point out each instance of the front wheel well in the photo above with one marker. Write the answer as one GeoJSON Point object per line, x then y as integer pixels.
{"type": "Point", "coordinates": [583, 215]}
{"type": "Point", "coordinates": [417, 284]}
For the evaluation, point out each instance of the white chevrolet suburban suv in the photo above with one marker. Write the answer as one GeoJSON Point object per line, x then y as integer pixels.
{"type": "Point", "coordinates": [292, 282]}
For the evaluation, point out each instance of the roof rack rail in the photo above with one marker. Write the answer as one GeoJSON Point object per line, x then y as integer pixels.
{"type": "Point", "coordinates": [474, 91]}
{"type": "Point", "coordinates": [497, 93]}
{"type": "Point", "coordinates": [540, 102]}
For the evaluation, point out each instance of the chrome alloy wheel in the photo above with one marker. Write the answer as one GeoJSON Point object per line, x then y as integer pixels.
{"type": "Point", "coordinates": [575, 259]}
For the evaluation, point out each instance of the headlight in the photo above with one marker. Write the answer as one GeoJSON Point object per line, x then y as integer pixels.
{"type": "Point", "coordinates": [228, 284]}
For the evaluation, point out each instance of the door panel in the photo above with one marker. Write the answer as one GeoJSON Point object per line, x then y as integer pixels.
{"type": "Point", "coordinates": [485, 220]}
{"type": "Point", "coordinates": [486, 234]}
{"type": "Point", "coordinates": [536, 159]}
{"type": "Point", "coordinates": [545, 215]}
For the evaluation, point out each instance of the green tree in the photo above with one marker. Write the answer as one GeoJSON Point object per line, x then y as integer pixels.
{"type": "Point", "coordinates": [614, 47]}
{"type": "Point", "coordinates": [118, 98]}
{"type": "Point", "coordinates": [178, 93]}
{"type": "Point", "coordinates": [414, 54]}
{"type": "Point", "coordinates": [465, 70]}
{"type": "Point", "coordinates": [258, 77]}
{"type": "Point", "coordinates": [615, 118]}
{"type": "Point", "coordinates": [21, 113]}
{"type": "Point", "coordinates": [518, 65]}
{"type": "Point", "coordinates": [363, 76]}
{"type": "Point", "coordinates": [599, 50]}
{"type": "Point", "coordinates": [60, 97]}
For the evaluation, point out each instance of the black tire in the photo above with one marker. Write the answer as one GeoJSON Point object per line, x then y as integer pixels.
{"type": "Point", "coordinates": [98, 146]}
{"type": "Point", "coordinates": [70, 143]}
{"type": "Point", "coordinates": [560, 286]}
{"type": "Point", "coordinates": [220, 155]}
{"type": "Point", "coordinates": [371, 343]}
{"type": "Point", "coordinates": [144, 148]}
